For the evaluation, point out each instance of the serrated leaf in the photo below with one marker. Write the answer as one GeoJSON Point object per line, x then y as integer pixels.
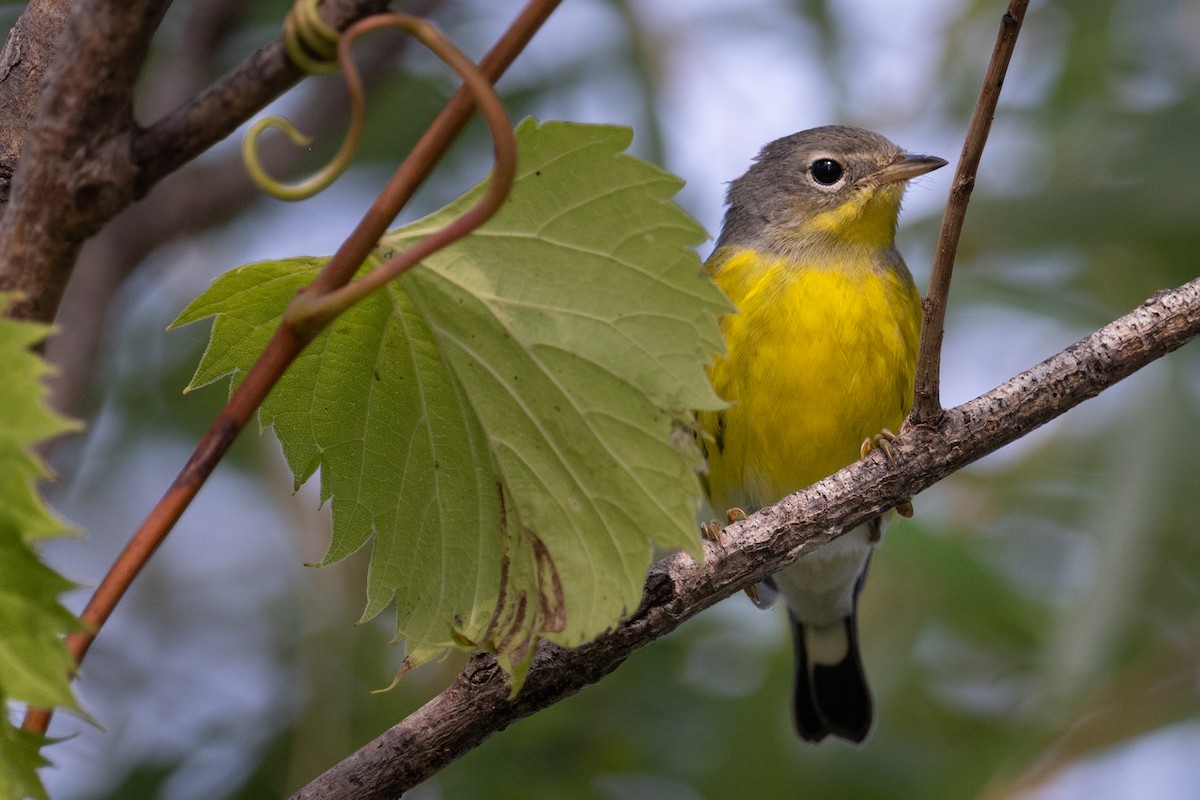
{"type": "Point", "coordinates": [499, 421]}
{"type": "Point", "coordinates": [370, 403]}
{"type": "Point", "coordinates": [34, 663]}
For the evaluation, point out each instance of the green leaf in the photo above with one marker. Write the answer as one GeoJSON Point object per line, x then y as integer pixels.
{"type": "Point", "coordinates": [501, 422]}
{"type": "Point", "coordinates": [34, 663]}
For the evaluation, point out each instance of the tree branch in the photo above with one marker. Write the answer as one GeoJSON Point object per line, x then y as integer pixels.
{"type": "Point", "coordinates": [72, 175]}
{"type": "Point", "coordinates": [477, 705]}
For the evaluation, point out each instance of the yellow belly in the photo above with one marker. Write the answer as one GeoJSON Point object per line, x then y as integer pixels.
{"type": "Point", "coordinates": [818, 359]}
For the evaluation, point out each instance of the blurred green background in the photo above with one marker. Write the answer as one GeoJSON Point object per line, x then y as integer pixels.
{"type": "Point", "coordinates": [1036, 627]}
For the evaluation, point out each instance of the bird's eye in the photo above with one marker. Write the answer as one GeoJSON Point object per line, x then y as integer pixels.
{"type": "Point", "coordinates": [826, 171]}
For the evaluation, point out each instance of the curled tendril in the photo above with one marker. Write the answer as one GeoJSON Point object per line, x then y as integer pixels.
{"type": "Point", "coordinates": [317, 49]}
{"type": "Point", "coordinates": [310, 43]}
{"type": "Point", "coordinates": [319, 180]}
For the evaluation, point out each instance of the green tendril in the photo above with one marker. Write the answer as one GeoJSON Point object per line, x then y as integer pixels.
{"type": "Point", "coordinates": [314, 47]}
{"type": "Point", "coordinates": [310, 43]}
{"type": "Point", "coordinates": [318, 181]}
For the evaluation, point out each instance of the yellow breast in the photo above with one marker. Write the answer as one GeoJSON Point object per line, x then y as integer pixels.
{"type": "Point", "coordinates": [818, 359]}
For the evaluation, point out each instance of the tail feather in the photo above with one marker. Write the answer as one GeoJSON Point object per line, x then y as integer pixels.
{"type": "Point", "coordinates": [831, 687]}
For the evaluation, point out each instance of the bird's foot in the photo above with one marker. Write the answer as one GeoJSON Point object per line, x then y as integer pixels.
{"type": "Point", "coordinates": [714, 532]}
{"type": "Point", "coordinates": [880, 441]}
{"type": "Point", "coordinates": [711, 531]}
{"type": "Point", "coordinates": [883, 441]}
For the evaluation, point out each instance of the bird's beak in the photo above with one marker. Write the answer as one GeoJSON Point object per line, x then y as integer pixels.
{"type": "Point", "coordinates": [902, 168]}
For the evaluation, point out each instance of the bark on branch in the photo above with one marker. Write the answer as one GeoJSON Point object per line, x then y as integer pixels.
{"type": "Point", "coordinates": [476, 705]}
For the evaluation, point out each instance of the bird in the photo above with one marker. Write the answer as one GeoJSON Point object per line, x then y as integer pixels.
{"type": "Point", "coordinates": [818, 369]}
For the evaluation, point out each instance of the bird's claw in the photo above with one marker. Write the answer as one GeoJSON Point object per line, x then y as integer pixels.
{"type": "Point", "coordinates": [883, 441]}
{"type": "Point", "coordinates": [711, 531]}
{"type": "Point", "coordinates": [714, 532]}
{"type": "Point", "coordinates": [880, 441]}
{"type": "Point", "coordinates": [737, 515]}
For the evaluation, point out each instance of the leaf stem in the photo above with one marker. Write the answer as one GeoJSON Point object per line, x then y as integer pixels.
{"type": "Point", "coordinates": [927, 406]}
{"type": "Point", "coordinates": [314, 308]}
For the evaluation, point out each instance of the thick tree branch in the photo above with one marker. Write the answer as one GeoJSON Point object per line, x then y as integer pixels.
{"type": "Point", "coordinates": [476, 705]}
{"type": "Point", "coordinates": [73, 175]}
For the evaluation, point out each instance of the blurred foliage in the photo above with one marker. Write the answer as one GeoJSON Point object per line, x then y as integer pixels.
{"type": "Point", "coordinates": [1040, 610]}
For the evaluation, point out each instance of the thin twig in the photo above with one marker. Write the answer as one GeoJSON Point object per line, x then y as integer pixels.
{"type": "Point", "coordinates": [478, 704]}
{"type": "Point", "coordinates": [927, 407]}
{"type": "Point", "coordinates": [288, 341]}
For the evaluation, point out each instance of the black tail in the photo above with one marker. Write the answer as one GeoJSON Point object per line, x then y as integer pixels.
{"type": "Point", "coordinates": [831, 688]}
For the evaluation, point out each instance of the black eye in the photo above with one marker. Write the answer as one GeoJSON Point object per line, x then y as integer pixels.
{"type": "Point", "coordinates": [826, 171]}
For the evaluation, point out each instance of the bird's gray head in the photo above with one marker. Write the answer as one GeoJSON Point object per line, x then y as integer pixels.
{"type": "Point", "coordinates": [828, 186]}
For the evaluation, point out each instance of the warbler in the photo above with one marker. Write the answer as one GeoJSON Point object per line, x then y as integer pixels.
{"type": "Point", "coordinates": [820, 360]}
